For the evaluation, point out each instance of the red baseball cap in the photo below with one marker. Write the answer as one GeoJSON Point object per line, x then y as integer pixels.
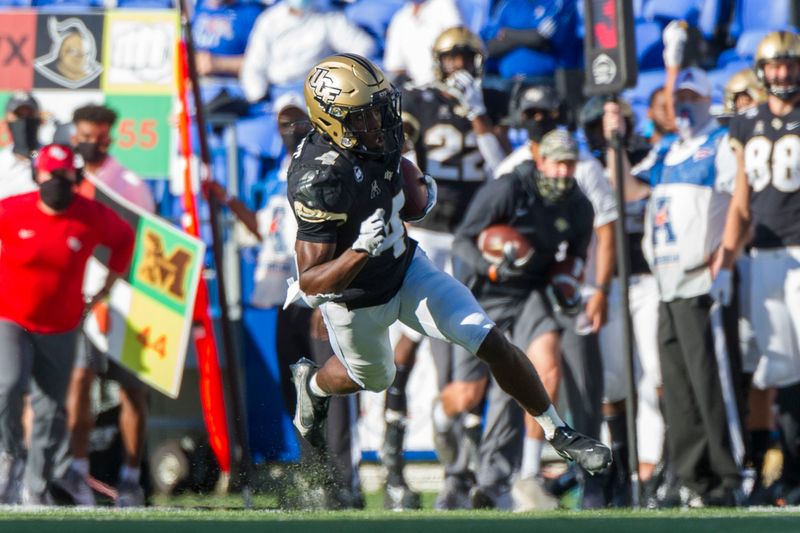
{"type": "Point", "coordinates": [55, 157]}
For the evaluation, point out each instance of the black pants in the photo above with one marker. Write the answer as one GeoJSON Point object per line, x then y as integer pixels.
{"type": "Point", "coordinates": [294, 340]}
{"type": "Point", "coordinates": [698, 436]}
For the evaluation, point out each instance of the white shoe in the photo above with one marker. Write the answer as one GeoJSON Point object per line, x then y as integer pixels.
{"type": "Point", "coordinates": [10, 478]}
{"type": "Point", "coordinates": [77, 487]}
{"type": "Point", "coordinates": [34, 500]}
{"type": "Point", "coordinates": [530, 495]}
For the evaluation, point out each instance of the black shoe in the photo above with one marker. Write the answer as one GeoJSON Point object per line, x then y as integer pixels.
{"type": "Point", "coordinates": [312, 410]}
{"type": "Point", "coordinates": [454, 494]}
{"type": "Point", "coordinates": [400, 497]}
{"type": "Point", "coordinates": [591, 454]}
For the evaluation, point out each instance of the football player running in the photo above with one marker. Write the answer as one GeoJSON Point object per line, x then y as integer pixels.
{"type": "Point", "coordinates": [453, 141]}
{"type": "Point", "coordinates": [766, 140]}
{"type": "Point", "coordinates": [356, 262]}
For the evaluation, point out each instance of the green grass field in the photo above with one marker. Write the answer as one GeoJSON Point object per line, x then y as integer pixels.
{"type": "Point", "coordinates": [178, 520]}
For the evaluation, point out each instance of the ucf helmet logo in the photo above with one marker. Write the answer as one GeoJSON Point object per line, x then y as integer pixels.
{"type": "Point", "coordinates": [323, 86]}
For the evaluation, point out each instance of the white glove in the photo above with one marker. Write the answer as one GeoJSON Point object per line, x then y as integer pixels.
{"type": "Point", "coordinates": [372, 234]}
{"type": "Point", "coordinates": [722, 287]}
{"type": "Point", "coordinates": [430, 184]}
{"type": "Point", "coordinates": [467, 90]}
{"type": "Point", "coordinates": [674, 37]}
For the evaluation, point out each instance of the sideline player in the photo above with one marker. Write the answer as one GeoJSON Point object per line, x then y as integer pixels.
{"type": "Point", "coordinates": [356, 262]}
{"type": "Point", "coordinates": [766, 140]}
{"type": "Point", "coordinates": [456, 146]}
{"type": "Point", "coordinates": [543, 203]}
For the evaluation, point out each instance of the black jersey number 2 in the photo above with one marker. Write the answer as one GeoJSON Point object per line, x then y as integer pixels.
{"type": "Point", "coordinates": [453, 154]}
{"type": "Point", "coordinates": [777, 163]}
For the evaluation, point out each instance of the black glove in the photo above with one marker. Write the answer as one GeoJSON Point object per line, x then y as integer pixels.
{"type": "Point", "coordinates": [504, 272]}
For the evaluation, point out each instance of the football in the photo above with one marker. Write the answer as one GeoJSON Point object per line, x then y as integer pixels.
{"type": "Point", "coordinates": [564, 285]}
{"type": "Point", "coordinates": [414, 190]}
{"type": "Point", "coordinates": [500, 241]}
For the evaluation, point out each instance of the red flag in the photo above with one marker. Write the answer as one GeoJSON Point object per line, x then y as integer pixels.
{"type": "Point", "coordinates": [212, 397]}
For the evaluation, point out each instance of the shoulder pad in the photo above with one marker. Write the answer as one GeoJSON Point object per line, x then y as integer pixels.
{"type": "Point", "coordinates": [320, 195]}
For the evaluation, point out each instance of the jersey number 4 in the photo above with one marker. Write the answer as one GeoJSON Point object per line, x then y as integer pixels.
{"type": "Point", "coordinates": [777, 163]}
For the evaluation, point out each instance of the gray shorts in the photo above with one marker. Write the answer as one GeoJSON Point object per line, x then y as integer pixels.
{"type": "Point", "coordinates": [522, 319]}
{"type": "Point", "coordinates": [89, 357]}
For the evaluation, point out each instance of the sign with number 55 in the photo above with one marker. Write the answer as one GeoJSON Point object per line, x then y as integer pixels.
{"type": "Point", "coordinates": [142, 133]}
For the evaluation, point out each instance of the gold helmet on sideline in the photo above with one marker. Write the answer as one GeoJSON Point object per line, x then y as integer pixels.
{"type": "Point", "coordinates": [776, 46]}
{"type": "Point", "coordinates": [458, 39]}
{"type": "Point", "coordinates": [744, 81]}
{"type": "Point", "coordinates": [351, 102]}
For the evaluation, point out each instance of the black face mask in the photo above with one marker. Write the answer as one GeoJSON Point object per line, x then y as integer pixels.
{"type": "Point", "coordinates": [539, 128]}
{"type": "Point", "coordinates": [56, 193]}
{"type": "Point", "coordinates": [91, 152]}
{"type": "Point", "coordinates": [24, 135]}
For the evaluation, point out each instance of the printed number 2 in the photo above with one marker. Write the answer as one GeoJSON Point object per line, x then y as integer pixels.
{"type": "Point", "coordinates": [395, 229]}
{"type": "Point", "coordinates": [144, 136]}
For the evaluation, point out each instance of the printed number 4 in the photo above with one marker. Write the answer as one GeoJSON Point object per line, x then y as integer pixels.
{"type": "Point", "coordinates": [159, 345]}
{"type": "Point", "coordinates": [394, 227]}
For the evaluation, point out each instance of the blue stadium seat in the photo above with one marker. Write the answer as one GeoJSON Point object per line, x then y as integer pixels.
{"type": "Point", "coordinates": [475, 13]}
{"type": "Point", "coordinates": [746, 46]}
{"type": "Point", "coordinates": [758, 14]}
{"type": "Point", "coordinates": [15, 3]}
{"type": "Point", "coordinates": [71, 4]}
{"type": "Point", "coordinates": [714, 15]}
{"type": "Point", "coordinates": [666, 10]}
{"type": "Point", "coordinates": [649, 46]}
{"type": "Point", "coordinates": [145, 4]}
{"type": "Point", "coordinates": [373, 16]}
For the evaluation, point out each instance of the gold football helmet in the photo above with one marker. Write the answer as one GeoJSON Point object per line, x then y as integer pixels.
{"type": "Point", "coordinates": [454, 40]}
{"type": "Point", "coordinates": [351, 102]}
{"type": "Point", "coordinates": [744, 81]}
{"type": "Point", "coordinates": [776, 46]}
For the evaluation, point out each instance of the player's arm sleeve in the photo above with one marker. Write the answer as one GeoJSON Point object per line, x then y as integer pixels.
{"type": "Point", "coordinates": [579, 246]}
{"type": "Point", "coordinates": [592, 181]}
{"type": "Point", "coordinates": [117, 235]}
{"type": "Point", "coordinates": [344, 36]}
{"type": "Point", "coordinates": [494, 202]}
{"type": "Point", "coordinates": [253, 76]}
{"type": "Point", "coordinates": [726, 167]}
{"type": "Point", "coordinates": [321, 207]}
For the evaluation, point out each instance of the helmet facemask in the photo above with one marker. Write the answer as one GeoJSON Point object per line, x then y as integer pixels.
{"type": "Point", "coordinates": [375, 129]}
{"type": "Point", "coordinates": [790, 86]}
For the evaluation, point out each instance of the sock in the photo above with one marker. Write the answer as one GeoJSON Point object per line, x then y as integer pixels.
{"type": "Point", "coordinates": [396, 395]}
{"type": "Point", "coordinates": [128, 473]}
{"type": "Point", "coordinates": [549, 420]}
{"type": "Point", "coordinates": [315, 389]}
{"type": "Point", "coordinates": [81, 466]}
{"type": "Point", "coordinates": [441, 421]}
{"type": "Point", "coordinates": [618, 428]}
{"type": "Point", "coordinates": [531, 457]}
{"type": "Point", "coordinates": [760, 443]}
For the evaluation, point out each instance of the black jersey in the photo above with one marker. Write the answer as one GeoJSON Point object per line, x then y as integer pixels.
{"type": "Point", "coordinates": [447, 149]}
{"type": "Point", "coordinates": [332, 191]}
{"type": "Point", "coordinates": [562, 228]}
{"type": "Point", "coordinates": [771, 148]}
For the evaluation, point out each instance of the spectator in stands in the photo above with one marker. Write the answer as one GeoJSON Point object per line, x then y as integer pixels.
{"type": "Point", "coordinates": [220, 29]}
{"type": "Point", "coordinates": [530, 37]}
{"type": "Point", "coordinates": [22, 117]}
{"type": "Point", "coordinates": [47, 238]}
{"type": "Point", "coordinates": [92, 140]}
{"type": "Point", "coordinates": [289, 38]}
{"type": "Point", "coordinates": [299, 329]}
{"type": "Point", "coordinates": [660, 123]}
{"type": "Point", "coordinates": [410, 37]}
